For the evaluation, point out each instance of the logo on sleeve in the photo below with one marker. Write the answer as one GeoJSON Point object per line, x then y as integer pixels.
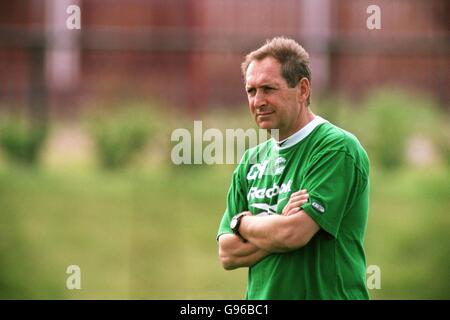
{"type": "Point", "coordinates": [318, 207]}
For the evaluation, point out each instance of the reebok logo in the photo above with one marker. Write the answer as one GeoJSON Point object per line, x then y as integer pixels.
{"type": "Point", "coordinates": [268, 209]}
{"type": "Point", "coordinates": [262, 193]}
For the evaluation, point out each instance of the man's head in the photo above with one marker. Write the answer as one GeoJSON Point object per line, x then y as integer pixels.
{"type": "Point", "coordinates": [277, 80]}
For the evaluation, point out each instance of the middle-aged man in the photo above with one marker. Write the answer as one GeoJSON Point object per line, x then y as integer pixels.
{"type": "Point", "coordinates": [297, 245]}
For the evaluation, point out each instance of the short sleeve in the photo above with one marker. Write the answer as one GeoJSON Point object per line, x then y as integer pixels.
{"type": "Point", "coordinates": [330, 182]}
{"type": "Point", "coordinates": [236, 203]}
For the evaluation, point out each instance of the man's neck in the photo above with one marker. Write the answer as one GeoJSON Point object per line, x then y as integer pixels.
{"type": "Point", "coordinates": [303, 120]}
{"type": "Point", "coordinates": [299, 135]}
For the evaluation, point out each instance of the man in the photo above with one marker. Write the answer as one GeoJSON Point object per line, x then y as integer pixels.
{"type": "Point", "coordinates": [297, 245]}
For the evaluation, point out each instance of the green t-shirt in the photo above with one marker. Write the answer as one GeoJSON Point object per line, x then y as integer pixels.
{"type": "Point", "coordinates": [333, 166]}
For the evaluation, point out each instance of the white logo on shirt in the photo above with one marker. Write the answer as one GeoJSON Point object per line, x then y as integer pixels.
{"type": "Point", "coordinates": [265, 207]}
{"type": "Point", "coordinates": [280, 163]}
{"type": "Point", "coordinates": [318, 207]}
{"type": "Point", "coordinates": [259, 169]}
{"type": "Point", "coordinates": [271, 209]}
{"type": "Point", "coordinates": [262, 193]}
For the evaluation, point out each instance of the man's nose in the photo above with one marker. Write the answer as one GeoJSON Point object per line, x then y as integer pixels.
{"type": "Point", "coordinates": [260, 99]}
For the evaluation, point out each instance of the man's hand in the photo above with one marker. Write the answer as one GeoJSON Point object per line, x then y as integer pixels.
{"type": "Point", "coordinates": [234, 253]}
{"type": "Point", "coordinates": [295, 201]}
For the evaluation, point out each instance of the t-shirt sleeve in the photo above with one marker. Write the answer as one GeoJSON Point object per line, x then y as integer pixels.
{"type": "Point", "coordinates": [330, 182]}
{"type": "Point", "coordinates": [236, 203]}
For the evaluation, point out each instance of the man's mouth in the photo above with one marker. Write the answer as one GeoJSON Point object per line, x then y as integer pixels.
{"type": "Point", "coordinates": [264, 113]}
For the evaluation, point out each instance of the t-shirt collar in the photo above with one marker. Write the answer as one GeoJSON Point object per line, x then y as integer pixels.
{"type": "Point", "coordinates": [299, 135]}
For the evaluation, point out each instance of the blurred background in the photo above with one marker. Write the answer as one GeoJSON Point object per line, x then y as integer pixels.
{"type": "Point", "coordinates": [86, 117]}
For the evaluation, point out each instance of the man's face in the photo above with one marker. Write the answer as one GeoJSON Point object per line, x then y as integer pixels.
{"type": "Point", "coordinates": [272, 103]}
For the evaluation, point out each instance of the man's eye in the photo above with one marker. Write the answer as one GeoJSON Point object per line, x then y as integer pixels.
{"type": "Point", "coordinates": [251, 91]}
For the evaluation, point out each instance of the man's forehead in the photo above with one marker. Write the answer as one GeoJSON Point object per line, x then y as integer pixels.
{"type": "Point", "coordinates": [267, 70]}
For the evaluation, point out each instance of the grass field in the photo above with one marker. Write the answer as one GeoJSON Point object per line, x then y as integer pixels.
{"type": "Point", "coordinates": [151, 234]}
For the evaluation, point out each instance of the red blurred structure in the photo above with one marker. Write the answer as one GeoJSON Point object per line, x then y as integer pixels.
{"type": "Point", "coordinates": [188, 52]}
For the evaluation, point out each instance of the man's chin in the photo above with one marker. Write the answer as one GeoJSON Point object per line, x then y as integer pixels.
{"type": "Point", "coordinates": [272, 129]}
{"type": "Point", "coordinates": [267, 125]}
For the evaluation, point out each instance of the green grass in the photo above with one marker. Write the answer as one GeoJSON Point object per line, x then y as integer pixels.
{"type": "Point", "coordinates": [408, 233]}
{"type": "Point", "coordinates": [151, 234]}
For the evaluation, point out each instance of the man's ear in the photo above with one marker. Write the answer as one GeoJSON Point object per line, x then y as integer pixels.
{"type": "Point", "coordinates": [303, 90]}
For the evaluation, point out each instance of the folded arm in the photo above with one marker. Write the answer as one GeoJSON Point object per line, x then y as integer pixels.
{"type": "Point", "coordinates": [268, 234]}
{"type": "Point", "coordinates": [279, 233]}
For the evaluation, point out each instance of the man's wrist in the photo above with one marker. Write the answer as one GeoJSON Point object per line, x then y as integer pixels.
{"type": "Point", "coordinates": [236, 222]}
{"type": "Point", "coordinates": [241, 227]}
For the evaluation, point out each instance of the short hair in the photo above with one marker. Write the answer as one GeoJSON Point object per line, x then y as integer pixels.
{"type": "Point", "coordinates": [293, 58]}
